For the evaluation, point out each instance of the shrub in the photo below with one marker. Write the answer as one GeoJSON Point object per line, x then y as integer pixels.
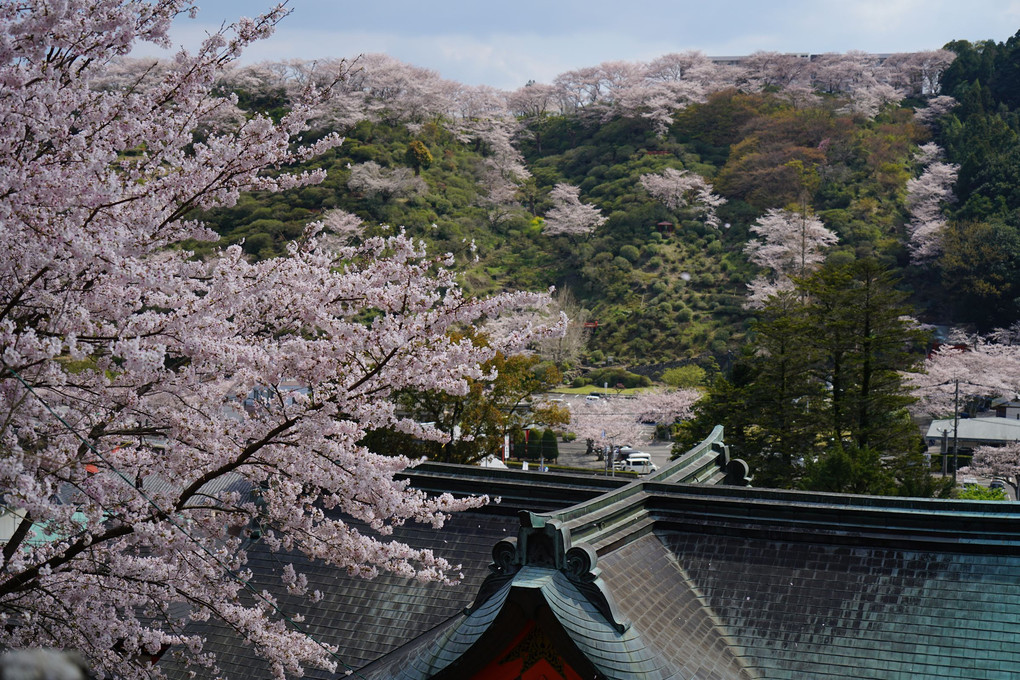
{"type": "Point", "coordinates": [630, 253]}
{"type": "Point", "coordinates": [690, 375]}
{"type": "Point", "coordinates": [617, 376]}
{"type": "Point", "coordinates": [257, 243]}
{"type": "Point", "coordinates": [549, 447]}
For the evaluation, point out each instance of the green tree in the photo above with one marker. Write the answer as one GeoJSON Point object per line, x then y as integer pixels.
{"type": "Point", "coordinates": [550, 446]}
{"type": "Point", "coordinates": [980, 272]}
{"type": "Point", "coordinates": [786, 396]}
{"type": "Point", "coordinates": [976, 492]}
{"type": "Point", "coordinates": [476, 422]}
{"type": "Point", "coordinates": [819, 400]}
{"type": "Point", "coordinates": [418, 156]}
{"type": "Point", "coordinates": [849, 469]}
{"type": "Point", "coordinates": [859, 327]}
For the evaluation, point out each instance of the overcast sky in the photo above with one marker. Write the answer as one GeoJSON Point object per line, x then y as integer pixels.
{"type": "Point", "coordinates": [505, 44]}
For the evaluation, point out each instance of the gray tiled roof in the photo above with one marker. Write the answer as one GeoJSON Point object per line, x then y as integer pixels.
{"type": "Point", "coordinates": [365, 618]}
{"type": "Point", "coordinates": [716, 582]}
{"type": "Point", "coordinates": [797, 610]}
{"type": "Point", "coordinates": [655, 592]}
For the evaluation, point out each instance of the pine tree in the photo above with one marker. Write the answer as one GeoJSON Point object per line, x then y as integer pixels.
{"type": "Point", "coordinates": [859, 324]}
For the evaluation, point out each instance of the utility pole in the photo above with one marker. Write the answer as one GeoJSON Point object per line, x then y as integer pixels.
{"type": "Point", "coordinates": [945, 452]}
{"type": "Point", "coordinates": [956, 426]}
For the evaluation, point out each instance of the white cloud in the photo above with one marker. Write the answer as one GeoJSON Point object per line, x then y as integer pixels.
{"type": "Point", "coordinates": [474, 43]}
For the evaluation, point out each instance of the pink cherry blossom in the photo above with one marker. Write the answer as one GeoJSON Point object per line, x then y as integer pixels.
{"type": "Point", "coordinates": [790, 244]}
{"type": "Point", "coordinates": [569, 216]}
{"type": "Point", "coordinates": [682, 189]}
{"type": "Point", "coordinates": [157, 409]}
{"type": "Point", "coordinates": [927, 195]}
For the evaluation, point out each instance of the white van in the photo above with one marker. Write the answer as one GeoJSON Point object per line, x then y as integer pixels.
{"type": "Point", "coordinates": [638, 462]}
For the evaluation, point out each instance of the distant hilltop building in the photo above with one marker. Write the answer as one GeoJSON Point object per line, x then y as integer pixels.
{"type": "Point", "coordinates": [806, 56]}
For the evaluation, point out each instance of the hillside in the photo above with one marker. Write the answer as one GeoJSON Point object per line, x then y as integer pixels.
{"type": "Point", "coordinates": [665, 285]}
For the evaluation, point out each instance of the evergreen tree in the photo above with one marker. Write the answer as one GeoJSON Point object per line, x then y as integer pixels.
{"type": "Point", "coordinates": [858, 324]}
{"type": "Point", "coordinates": [819, 401]}
{"type": "Point", "coordinates": [786, 396]}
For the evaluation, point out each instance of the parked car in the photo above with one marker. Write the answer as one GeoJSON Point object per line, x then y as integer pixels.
{"type": "Point", "coordinates": [638, 462]}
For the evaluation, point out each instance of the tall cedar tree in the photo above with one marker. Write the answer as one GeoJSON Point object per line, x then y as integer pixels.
{"type": "Point", "coordinates": [859, 325]}
{"type": "Point", "coordinates": [821, 386]}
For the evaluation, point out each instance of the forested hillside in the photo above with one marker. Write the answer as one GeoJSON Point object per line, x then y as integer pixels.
{"type": "Point", "coordinates": [911, 161]}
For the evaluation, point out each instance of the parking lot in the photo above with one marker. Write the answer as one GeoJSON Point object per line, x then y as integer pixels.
{"type": "Point", "coordinates": [574, 454]}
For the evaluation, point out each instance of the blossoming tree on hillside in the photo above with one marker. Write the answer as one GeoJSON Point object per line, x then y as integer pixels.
{"type": "Point", "coordinates": [683, 190]}
{"type": "Point", "coordinates": [569, 216]}
{"type": "Point", "coordinates": [124, 447]}
{"type": "Point", "coordinates": [926, 197]}
{"type": "Point", "coordinates": [790, 244]}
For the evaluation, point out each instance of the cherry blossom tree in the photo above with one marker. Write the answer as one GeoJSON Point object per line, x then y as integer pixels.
{"type": "Point", "coordinates": [341, 225]}
{"type": "Point", "coordinates": [843, 72]}
{"type": "Point", "coordinates": [926, 196]}
{"type": "Point", "coordinates": [398, 92]}
{"type": "Point", "coordinates": [936, 108]}
{"type": "Point", "coordinates": [919, 73]}
{"type": "Point", "coordinates": [997, 462]}
{"type": "Point", "coordinates": [870, 97]}
{"type": "Point", "coordinates": [569, 216]}
{"type": "Point", "coordinates": [608, 423]}
{"type": "Point", "coordinates": [564, 310]}
{"type": "Point", "coordinates": [124, 447]}
{"type": "Point", "coordinates": [532, 101]}
{"type": "Point", "coordinates": [617, 422]}
{"type": "Point", "coordinates": [579, 89]}
{"type": "Point", "coordinates": [776, 70]}
{"type": "Point", "coordinates": [666, 407]}
{"type": "Point", "coordinates": [790, 244]}
{"type": "Point", "coordinates": [681, 189]}
{"type": "Point", "coordinates": [963, 369]}
{"type": "Point", "coordinates": [371, 179]}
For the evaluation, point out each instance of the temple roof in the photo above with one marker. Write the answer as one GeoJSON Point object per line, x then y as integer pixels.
{"type": "Point", "coordinates": [682, 580]}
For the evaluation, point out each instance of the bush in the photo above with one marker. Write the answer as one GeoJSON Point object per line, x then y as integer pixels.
{"type": "Point", "coordinates": [617, 376]}
{"type": "Point", "coordinates": [549, 446]}
{"type": "Point", "coordinates": [257, 243]}
{"type": "Point", "coordinates": [690, 375]}
{"type": "Point", "coordinates": [630, 253]}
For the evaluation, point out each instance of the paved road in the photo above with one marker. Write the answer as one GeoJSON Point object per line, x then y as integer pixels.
{"type": "Point", "coordinates": [573, 454]}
